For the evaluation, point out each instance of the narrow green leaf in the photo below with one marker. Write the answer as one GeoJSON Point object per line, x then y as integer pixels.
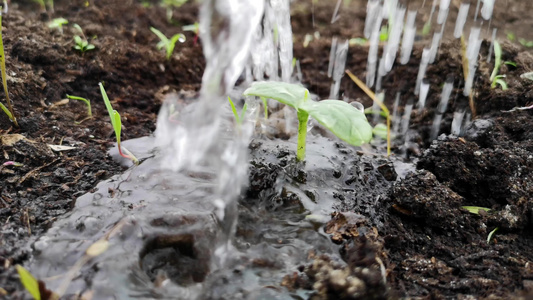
{"type": "Point", "coordinates": [491, 234]}
{"type": "Point", "coordinates": [235, 114]}
{"type": "Point", "coordinates": [29, 282]}
{"type": "Point", "coordinates": [475, 209]}
{"type": "Point", "coordinates": [89, 47]}
{"type": "Point", "coordinates": [160, 35]}
{"type": "Point", "coordinates": [8, 113]}
{"type": "Point", "coordinates": [286, 93]}
{"type": "Point", "coordinates": [345, 121]}
{"type": "Point", "coordinates": [117, 125]}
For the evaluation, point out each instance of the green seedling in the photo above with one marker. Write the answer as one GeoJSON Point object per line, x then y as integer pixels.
{"type": "Point", "coordinates": [494, 77]}
{"type": "Point", "coordinates": [342, 119]}
{"type": "Point", "coordinates": [166, 43]}
{"type": "Point", "coordinates": [358, 41]}
{"type": "Point", "coordinates": [195, 28]}
{"type": "Point", "coordinates": [29, 282]}
{"type": "Point", "coordinates": [384, 33]}
{"type": "Point", "coordinates": [170, 4]}
{"type": "Point", "coordinates": [9, 109]}
{"type": "Point", "coordinates": [489, 237]}
{"type": "Point", "coordinates": [117, 126]}
{"type": "Point", "coordinates": [81, 42]}
{"type": "Point", "coordinates": [87, 102]}
{"type": "Point", "coordinates": [525, 43]}
{"type": "Point", "coordinates": [239, 118]}
{"type": "Point", "coordinates": [511, 36]}
{"type": "Point", "coordinates": [44, 3]}
{"type": "Point", "coordinates": [58, 23]}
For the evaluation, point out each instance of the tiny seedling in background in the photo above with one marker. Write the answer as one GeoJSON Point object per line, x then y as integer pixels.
{"type": "Point", "coordinates": [117, 126]}
{"type": "Point", "coordinates": [166, 43]}
{"type": "Point", "coordinates": [195, 28]}
{"type": "Point", "coordinates": [345, 121]}
{"type": "Point", "coordinates": [9, 109]}
{"type": "Point", "coordinates": [525, 43]}
{"type": "Point", "coordinates": [170, 4]}
{"type": "Point", "coordinates": [489, 237]}
{"type": "Point", "coordinates": [44, 3]}
{"type": "Point", "coordinates": [58, 23]}
{"type": "Point", "coordinates": [494, 77]}
{"type": "Point", "coordinates": [81, 43]}
{"type": "Point", "coordinates": [87, 102]}
{"type": "Point", "coordinates": [238, 118]}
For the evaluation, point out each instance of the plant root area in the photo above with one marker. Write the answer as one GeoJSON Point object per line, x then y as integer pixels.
{"type": "Point", "coordinates": [400, 236]}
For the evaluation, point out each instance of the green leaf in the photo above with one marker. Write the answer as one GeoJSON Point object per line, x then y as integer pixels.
{"type": "Point", "coordinates": [6, 111]}
{"type": "Point", "coordinates": [77, 40]}
{"type": "Point", "coordinates": [117, 125]}
{"type": "Point", "coordinates": [380, 130]}
{"type": "Point", "coordinates": [29, 282]}
{"type": "Point", "coordinates": [345, 121]}
{"type": "Point", "coordinates": [491, 234]}
{"type": "Point", "coordinates": [475, 209]}
{"type": "Point", "coordinates": [235, 114]}
{"type": "Point", "coordinates": [286, 93]}
{"type": "Point", "coordinates": [89, 47]}
{"type": "Point", "coordinates": [160, 35]}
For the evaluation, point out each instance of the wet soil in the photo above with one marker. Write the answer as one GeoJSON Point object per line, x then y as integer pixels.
{"type": "Point", "coordinates": [417, 242]}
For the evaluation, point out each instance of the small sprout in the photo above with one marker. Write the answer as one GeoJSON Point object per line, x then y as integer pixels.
{"type": "Point", "coordinates": [498, 80]}
{"type": "Point", "coordinates": [29, 282]}
{"type": "Point", "coordinates": [525, 43]}
{"type": "Point", "coordinates": [81, 43]}
{"type": "Point", "coordinates": [166, 43]}
{"type": "Point", "coordinates": [427, 28]}
{"type": "Point", "coordinates": [58, 23]}
{"type": "Point", "coordinates": [195, 28]}
{"type": "Point", "coordinates": [169, 4]}
{"type": "Point", "coordinates": [88, 102]}
{"type": "Point", "coordinates": [491, 234]}
{"type": "Point", "coordinates": [511, 36]}
{"type": "Point", "coordinates": [494, 77]}
{"type": "Point", "coordinates": [342, 119]}
{"type": "Point", "coordinates": [117, 126]}
{"type": "Point", "coordinates": [380, 130]}
{"type": "Point", "coordinates": [43, 4]}
{"type": "Point", "coordinates": [238, 118]}
{"type": "Point", "coordinates": [9, 109]}
{"type": "Point", "coordinates": [12, 163]}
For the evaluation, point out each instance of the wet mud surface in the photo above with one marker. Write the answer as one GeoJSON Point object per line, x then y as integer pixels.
{"type": "Point", "coordinates": [398, 237]}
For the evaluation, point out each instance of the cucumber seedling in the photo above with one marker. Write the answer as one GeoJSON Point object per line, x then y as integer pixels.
{"type": "Point", "coordinates": [342, 119]}
{"type": "Point", "coordinates": [58, 23]}
{"type": "Point", "coordinates": [166, 43]}
{"type": "Point", "coordinates": [117, 126]}
{"type": "Point", "coordinates": [9, 109]}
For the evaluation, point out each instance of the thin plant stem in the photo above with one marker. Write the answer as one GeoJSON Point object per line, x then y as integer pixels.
{"type": "Point", "coordinates": [303, 117]}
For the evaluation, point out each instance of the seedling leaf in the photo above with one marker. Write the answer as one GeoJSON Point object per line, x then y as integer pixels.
{"type": "Point", "coordinates": [491, 234]}
{"type": "Point", "coordinates": [161, 36]}
{"type": "Point", "coordinates": [87, 102]}
{"type": "Point", "coordinates": [497, 60]}
{"type": "Point", "coordinates": [380, 130]}
{"type": "Point", "coordinates": [345, 121]}
{"type": "Point", "coordinates": [286, 93]}
{"type": "Point", "coordinates": [29, 282]}
{"type": "Point", "coordinates": [475, 209]}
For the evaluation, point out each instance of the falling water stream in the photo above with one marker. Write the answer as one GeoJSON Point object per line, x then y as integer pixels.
{"type": "Point", "coordinates": [171, 223]}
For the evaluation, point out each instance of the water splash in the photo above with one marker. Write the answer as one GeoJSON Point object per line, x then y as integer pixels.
{"type": "Point", "coordinates": [442, 107]}
{"type": "Point", "coordinates": [424, 90]}
{"type": "Point", "coordinates": [341, 53]}
{"type": "Point", "coordinates": [461, 19]}
{"type": "Point", "coordinates": [408, 37]}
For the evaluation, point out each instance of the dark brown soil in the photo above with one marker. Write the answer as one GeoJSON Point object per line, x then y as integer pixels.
{"type": "Point", "coordinates": [427, 244]}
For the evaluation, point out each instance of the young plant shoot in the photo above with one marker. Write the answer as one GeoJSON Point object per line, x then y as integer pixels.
{"type": "Point", "coordinates": [166, 43]}
{"type": "Point", "coordinates": [494, 77]}
{"type": "Point", "coordinates": [87, 102]}
{"type": "Point", "coordinates": [9, 109]}
{"type": "Point", "coordinates": [341, 118]}
{"type": "Point", "coordinates": [117, 126]}
{"type": "Point", "coordinates": [81, 43]}
{"type": "Point", "coordinates": [238, 118]}
{"type": "Point", "coordinates": [58, 23]}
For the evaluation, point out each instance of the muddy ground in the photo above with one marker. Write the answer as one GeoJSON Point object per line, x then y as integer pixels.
{"type": "Point", "coordinates": [424, 243]}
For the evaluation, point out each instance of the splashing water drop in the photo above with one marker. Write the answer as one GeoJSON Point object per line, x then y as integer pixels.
{"type": "Point", "coordinates": [488, 7]}
{"type": "Point", "coordinates": [441, 108]}
{"type": "Point", "coordinates": [389, 53]}
{"type": "Point", "coordinates": [457, 122]}
{"type": "Point", "coordinates": [395, 119]}
{"type": "Point", "coordinates": [424, 90]}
